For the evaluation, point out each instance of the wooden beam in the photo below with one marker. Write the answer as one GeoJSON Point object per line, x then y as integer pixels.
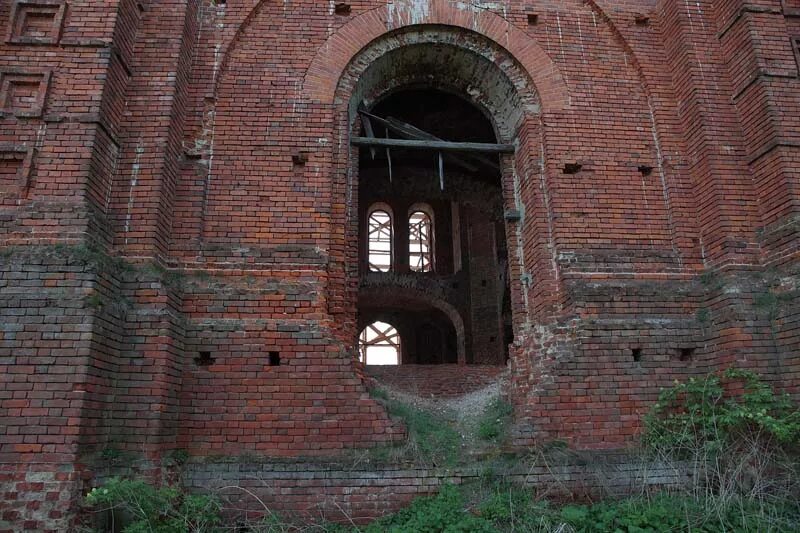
{"type": "Point", "coordinates": [407, 131]}
{"type": "Point", "coordinates": [447, 146]}
{"type": "Point", "coordinates": [367, 126]}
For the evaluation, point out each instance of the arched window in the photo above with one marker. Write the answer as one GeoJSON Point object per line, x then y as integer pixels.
{"type": "Point", "coordinates": [420, 241]}
{"type": "Point", "coordinates": [379, 240]}
{"type": "Point", "coordinates": [379, 344]}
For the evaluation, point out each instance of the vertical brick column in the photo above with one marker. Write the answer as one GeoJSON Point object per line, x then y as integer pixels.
{"type": "Point", "coordinates": [144, 191]}
{"type": "Point", "coordinates": [727, 207]}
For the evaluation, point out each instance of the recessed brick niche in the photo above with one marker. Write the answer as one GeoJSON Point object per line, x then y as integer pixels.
{"type": "Point", "coordinates": [36, 22]}
{"type": "Point", "coordinates": [791, 8]}
{"type": "Point", "coordinates": [15, 167]}
{"type": "Point", "coordinates": [22, 93]}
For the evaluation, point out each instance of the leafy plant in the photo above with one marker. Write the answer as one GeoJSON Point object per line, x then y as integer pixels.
{"type": "Point", "coordinates": [512, 508]}
{"type": "Point", "coordinates": [177, 457]}
{"type": "Point", "coordinates": [444, 512]}
{"type": "Point", "coordinates": [156, 509]}
{"type": "Point", "coordinates": [737, 440]}
{"type": "Point", "coordinates": [706, 413]}
{"type": "Point", "coordinates": [378, 394]}
{"type": "Point", "coordinates": [669, 512]}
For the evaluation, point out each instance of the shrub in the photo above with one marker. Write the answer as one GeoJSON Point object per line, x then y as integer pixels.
{"type": "Point", "coordinates": [679, 513]}
{"type": "Point", "coordinates": [736, 438]}
{"type": "Point", "coordinates": [156, 509]}
{"type": "Point", "coordinates": [443, 513]}
{"type": "Point", "coordinates": [704, 414]}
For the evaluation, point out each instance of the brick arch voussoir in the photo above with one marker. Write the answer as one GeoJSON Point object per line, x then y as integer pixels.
{"type": "Point", "coordinates": [332, 58]}
{"type": "Point", "coordinates": [233, 43]}
{"type": "Point", "coordinates": [597, 8]}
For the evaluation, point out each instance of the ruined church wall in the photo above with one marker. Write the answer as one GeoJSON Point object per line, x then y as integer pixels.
{"type": "Point", "coordinates": [192, 134]}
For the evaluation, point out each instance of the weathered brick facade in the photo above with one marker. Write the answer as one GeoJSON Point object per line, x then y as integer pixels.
{"type": "Point", "coordinates": [180, 219]}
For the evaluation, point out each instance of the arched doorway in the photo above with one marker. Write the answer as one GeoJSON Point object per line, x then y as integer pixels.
{"type": "Point", "coordinates": [470, 68]}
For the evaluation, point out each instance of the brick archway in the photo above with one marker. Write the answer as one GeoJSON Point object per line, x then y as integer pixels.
{"type": "Point", "coordinates": [400, 297]}
{"type": "Point", "coordinates": [505, 91]}
{"type": "Point", "coordinates": [331, 60]}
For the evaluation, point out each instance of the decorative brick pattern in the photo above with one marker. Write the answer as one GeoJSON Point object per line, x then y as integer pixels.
{"type": "Point", "coordinates": [791, 8]}
{"type": "Point", "coordinates": [15, 168]}
{"type": "Point", "coordinates": [22, 93]}
{"type": "Point", "coordinates": [36, 22]}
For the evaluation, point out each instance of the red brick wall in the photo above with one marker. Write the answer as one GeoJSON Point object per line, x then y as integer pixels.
{"type": "Point", "coordinates": [317, 491]}
{"type": "Point", "coordinates": [164, 133]}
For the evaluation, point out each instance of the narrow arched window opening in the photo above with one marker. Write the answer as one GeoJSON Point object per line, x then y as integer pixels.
{"type": "Point", "coordinates": [379, 344]}
{"type": "Point", "coordinates": [420, 241]}
{"type": "Point", "coordinates": [379, 241]}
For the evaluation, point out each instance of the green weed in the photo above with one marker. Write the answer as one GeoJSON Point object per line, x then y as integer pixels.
{"type": "Point", "coordinates": [494, 422]}
{"type": "Point", "coordinates": [431, 440]}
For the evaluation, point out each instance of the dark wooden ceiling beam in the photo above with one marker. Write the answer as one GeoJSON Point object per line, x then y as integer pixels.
{"type": "Point", "coordinates": [444, 146]}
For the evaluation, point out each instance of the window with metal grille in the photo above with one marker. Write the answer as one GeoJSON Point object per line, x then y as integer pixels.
{"type": "Point", "coordinates": [420, 241]}
{"type": "Point", "coordinates": [379, 344]}
{"type": "Point", "coordinates": [379, 241]}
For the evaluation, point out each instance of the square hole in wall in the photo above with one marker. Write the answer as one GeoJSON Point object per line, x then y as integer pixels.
{"type": "Point", "coordinates": [36, 22]}
{"type": "Point", "coordinates": [204, 358]}
{"type": "Point", "coordinates": [685, 354]}
{"type": "Point", "coordinates": [274, 359]}
{"type": "Point", "coordinates": [342, 9]}
{"type": "Point", "coordinates": [23, 93]}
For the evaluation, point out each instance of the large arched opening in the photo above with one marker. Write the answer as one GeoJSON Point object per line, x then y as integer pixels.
{"type": "Point", "coordinates": [455, 215]}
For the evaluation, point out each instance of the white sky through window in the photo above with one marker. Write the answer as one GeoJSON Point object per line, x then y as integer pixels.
{"type": "Point", "coordinates": [379, 344]}
{"type": "Point", "coordinates": [379, 244]}
{"type": "Point", "coordinates": [419, 242]}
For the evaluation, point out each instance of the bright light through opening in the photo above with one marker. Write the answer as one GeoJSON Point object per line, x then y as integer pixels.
{"type": "Point", "coordinates": [379, 344]}
{"type": "Point", "coordinates": [379, 245]}
{"type": "Point", "coordinates": [419, 242]}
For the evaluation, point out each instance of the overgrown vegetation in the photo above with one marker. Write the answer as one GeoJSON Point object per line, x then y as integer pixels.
{"type": "Point", "coordinates": [501, 508]}
{"type": "Point", "coordinates": [431, 439]}
{"type": "Point", "coordinates": [494, 422]}
{"type": "Point", "coordinates": [704, 415]}
{"type": "Point", "coordinates": [150, 509]}
{"type": "Point", "coordinates": [737, 438]}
